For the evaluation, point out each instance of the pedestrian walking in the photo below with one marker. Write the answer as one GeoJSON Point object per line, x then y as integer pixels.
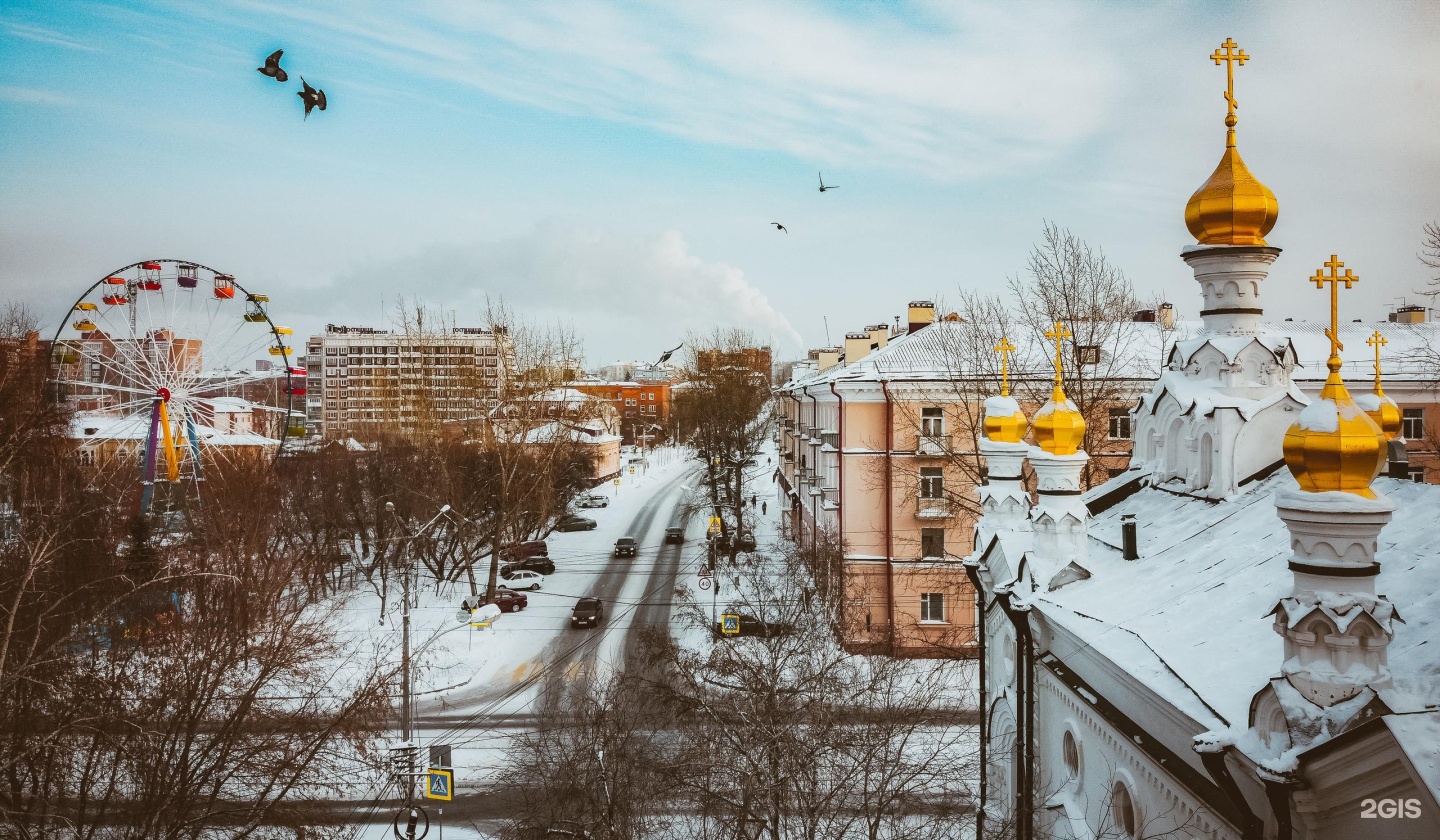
{"type": "Point", "coordinates": [763, 506]}
{"type": "Point", "coordinates": [754, 500]}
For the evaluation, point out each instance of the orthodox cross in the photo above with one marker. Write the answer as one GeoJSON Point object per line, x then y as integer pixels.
{"type": "Point", "coordinates": [1230, 58]}
{"type": "Point", "coordinates": [1377, 341]}
{"type": "Point", "coordinates": [1004, 348]}
{"type": "Point", "coordinates": [1334, 278]}
{"type": "Point", "coordinates": [1059, 334]}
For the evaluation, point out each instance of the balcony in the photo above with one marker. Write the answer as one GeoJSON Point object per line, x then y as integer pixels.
{"type": "Point", "coordinates": [933, 445]}
{"type": "Point", "coordinates": [928, 508]}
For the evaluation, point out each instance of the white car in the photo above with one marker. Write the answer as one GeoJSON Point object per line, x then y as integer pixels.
{"type": "Point", "coordinates": [593, 500]}
{"type": "Point", "coordinates": [523, 579]}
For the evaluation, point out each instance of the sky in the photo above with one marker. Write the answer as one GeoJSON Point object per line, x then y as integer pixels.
{"type": "Point", "coordinates": [616, 166]}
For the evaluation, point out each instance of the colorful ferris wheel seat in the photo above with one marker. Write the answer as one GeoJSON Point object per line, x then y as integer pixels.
{"type": "Point", "coordinates": [224, 286]}
{"type": "Point", "coordinates": [186, 276]}
{"type": "Point", "coordinates": [84, 325]}
{"type": "Point", "coordinates": [150, 266]}
{"type": "Point", "coordinates": [284, 331]}
{"type": "Point", "coordinates": [280, 351]}
{"type": "Point", "coordinates": [150, 285]}
{"type": "Point", "coordinates": [187, 282]}
{"type": "Point", "coordinates": [87, 306]}
{"type": "Point", "coordinates": [114, 281]}
{"type": "Point", "coordinates": [116, 299]}
{"type": "Point", "coordinates": [297, 371]}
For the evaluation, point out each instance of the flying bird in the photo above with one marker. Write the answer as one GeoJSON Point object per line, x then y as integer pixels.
{"type": "Point", "coordinates": [272, 67]}
{"type": "Point", "coordinates": [779, 227]}
{"type": "Point", "coordinates": [824, 187]}
{"type": "Point", "coordinates": [665, 357]}
{"type": "Point", "coordinates": [313, 97]}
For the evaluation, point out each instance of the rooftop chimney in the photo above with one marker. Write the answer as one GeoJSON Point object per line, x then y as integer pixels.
{"type": "Point", "coordinates": [922, 314]}
{"type": "Point", "coordinates": [1129, 537]}
{"type": "Point", "coordinates": [857, 346]}
{"type": "Point", "coordinates": [1166, 315]}
{"type": "Point", "coordinates": [1411, 314]}
{"type": "Point", "coordinates": [828, 357]}
{"type": "Point", "coordinates": [879, 335]}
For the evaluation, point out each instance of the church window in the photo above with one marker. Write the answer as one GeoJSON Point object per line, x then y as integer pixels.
{"type": "Point", "coordinates": [932, 606]}
{"type": "Point", "coordinates": [1119, 424]}
{"type": "Point", "coordinates": [932, 542]}
{"type": "Point", "coordinates": [932, 482]}
{"type": "Point", "coordinates": [1412, 423]}
{"type": "Point", "coordinates": [932, 422]}
{"type": "Point", "coordinates": [1122, 810]}
{"type": "Point", "coordinates": [1070, 751]}
{"type": "Point", "coordinates": [1087, 354]}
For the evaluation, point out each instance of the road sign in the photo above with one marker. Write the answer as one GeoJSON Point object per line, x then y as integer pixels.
{"type": "Point", "coordinates": [704, 582]}
{"type": "Point", "coordinates": [617, 482]}
{"type": "Point", "coordinates": [632, 469]}
{"type": "Point", "coordinates": [413, 816]}
{"type": "Point", "coordinates": [730, 624]}
{"type": "Point", "coordinates": [714, 525]}
{"type": "Point", "coordinates": [439, 784]}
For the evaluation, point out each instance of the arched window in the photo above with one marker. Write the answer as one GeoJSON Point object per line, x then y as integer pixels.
{"type": "Point", "coordinates": [1122, 810]}
{"type": "Point", "coordinates": [1070, 752]}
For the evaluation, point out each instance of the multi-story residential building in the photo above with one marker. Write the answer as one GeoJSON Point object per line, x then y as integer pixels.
{"type": "Point", "coordinates": [758, 360]}
{"type": "Point", "coordinates": [363, 381]}
{"type": "Point", "coordinates": [643, 408]}
{"type": "Point", "coordinates": [879, 445]}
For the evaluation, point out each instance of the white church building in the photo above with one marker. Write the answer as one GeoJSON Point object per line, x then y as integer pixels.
{"type": "Point", "coordinates": [1237, 637]}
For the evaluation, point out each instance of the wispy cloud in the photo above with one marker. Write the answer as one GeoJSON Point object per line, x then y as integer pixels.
{"type": "Point", "coordinates": [44, 36]}
{"type": "Point", "coordinates": [33, 96]}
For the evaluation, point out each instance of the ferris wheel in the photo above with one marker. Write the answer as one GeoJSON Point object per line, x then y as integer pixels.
{"type": "Point", "coordinates": [175, 367]}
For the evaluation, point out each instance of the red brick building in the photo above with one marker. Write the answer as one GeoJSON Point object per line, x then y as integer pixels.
{"type": "Point", "coordinates": [643, 407]}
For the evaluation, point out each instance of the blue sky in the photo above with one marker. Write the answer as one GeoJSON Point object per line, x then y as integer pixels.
{"type": "Point", "coordinates": [617, 165]}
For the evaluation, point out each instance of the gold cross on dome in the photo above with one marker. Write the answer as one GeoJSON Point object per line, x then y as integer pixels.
{"type": "Point", "coordinates": [1059, 334]}
{"type": "Point", "coordinates": [1377, 341]}
{"type": "Point", "coordinates": [1004, 348]}
{"type": "Point", "coordinates": [1334, 278]}
{"type": "Point", "coordinates": [1231, 59]}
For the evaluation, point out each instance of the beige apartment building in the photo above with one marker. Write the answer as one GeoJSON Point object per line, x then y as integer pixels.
{"type": "Point", "coordinates": [878, 445]}
{"type": "Point", "coordinates": [361, 381]}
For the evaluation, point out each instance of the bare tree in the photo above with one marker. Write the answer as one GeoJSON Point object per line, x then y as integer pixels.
{"type": "Point", "coordinates": [1430, 257]}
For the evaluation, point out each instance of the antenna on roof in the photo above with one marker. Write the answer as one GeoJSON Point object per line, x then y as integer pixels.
{"type": "Point", "coordinates": [827, 329]}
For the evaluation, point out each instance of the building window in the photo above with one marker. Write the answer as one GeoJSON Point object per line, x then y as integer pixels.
{"type": "Point", "coordinates": [1416, 474]}
{"type": "Point", "coordinates": [1119, 424]}
{"type": "Point", "coordinates": [932, 606]}
{"type": "Point", "coordinates": [932, 422]}
{"type": "Point", "coordinates": [1070, 752]}
{"type": "Point", "coordinates": [1122, 810]}
{"type": "Point", "coordinates": [1412, 423]}
{"type": "Point", "coordinates": [1087, 354]}
{"type": "Point", "coordinates": [932, 542]}
{"type": "Point", "coordinates": [932, 482]}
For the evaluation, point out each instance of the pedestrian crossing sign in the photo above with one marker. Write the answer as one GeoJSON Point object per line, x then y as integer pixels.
{"type": "Point", "coordinates": [632, 470]}
{"type": "Point", "coordinates": [714, 525]}
{"type": "Point", "coordinates": [439, 784]}
{"type": "Point", "coordinates": [730, 624]}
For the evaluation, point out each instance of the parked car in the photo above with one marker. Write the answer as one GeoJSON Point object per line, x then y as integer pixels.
{"type": "Point", "coordinates": [588, 612]}
{"type": "Point", "coordinates": [523, 579]}
{"type": "Point", "coordinates": [674, 535]}
{"type": "Point", "coordinates": [625, 547]}
{"type": "Point", "coordinates": [746, 541]}
{"type": "Point", "coordinates": [529, 548]}
{"type": "Point", "coordinates": [541, 563]}
{"type": "Point", "coordinates": [593, 500]}
{"type": "Point", "coordinates": [572, 522]}
{"type": "Point", "coordinates": [508, 600]}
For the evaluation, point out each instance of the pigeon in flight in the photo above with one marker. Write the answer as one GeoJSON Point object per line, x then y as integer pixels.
{"type": "Point", "coordinates": [823, 186]}
{"type": "Point", "coordinates": [272, 67]}
{"type": "Point", "coordinates": [313, 97]}
{"type": "Point", "coordinates": [665, 357]}
{"type": "Point", "coordinates": [779, 227]}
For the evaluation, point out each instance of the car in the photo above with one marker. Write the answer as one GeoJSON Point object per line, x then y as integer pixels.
{"type": "Point", "coordinates": [588, 612]}
{"type": "Point", "coordinates": [508, 600]}
{"type": "Point", "coordinates": [540, 563]}
{"type": "Point", "coordinates": [520, 550]}
{"type": "Point", "coordinates": [524, 579]}
{"type": "Point", "coordinates": [593, 500]}
{"type": "Point", "coordinates": [625, 547]}
{"type": "Point", "coordinates": [674, 535]}
{"type": "Point", "coordinates": [746, 541]}
{"type": "Point", "coordinates": [575, 523]}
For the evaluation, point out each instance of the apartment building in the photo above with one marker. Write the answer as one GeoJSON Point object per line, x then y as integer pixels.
{"type": "Point", "coordinates": [362, 381]}
{"type": "Point", "coordinates": [878, 443]}
{"type": "Point", "coordinates": [642, 408]}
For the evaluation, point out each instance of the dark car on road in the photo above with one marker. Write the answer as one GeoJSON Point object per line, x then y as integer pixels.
{"type": "Point", "coordinates": [541, 563]}
{"type": "Point", "coordinates": [674, 535]}
{"type": "Point", "coordinates": [508, 600]}
{"type": "Point", "coordinates": [575, 523]}
{"type": "Point", "coordinates": [625, 547]}
{"type": "Point", "coordinates": [520, 550]}
{"type": "Point", "coordinates": [588, 612]}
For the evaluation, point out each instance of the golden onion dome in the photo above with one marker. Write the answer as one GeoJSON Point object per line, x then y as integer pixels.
{"type": "Point", "coordinates": [1004, 421]}
{"type": "Point", "coordinates": [1231, 207]}
{"type": "Point", "coordinates": [1059, 426]}
{"type": "Point", "coordinates": [1379, 407]}
{"type": "Point", "coordinates": [1335, 445]}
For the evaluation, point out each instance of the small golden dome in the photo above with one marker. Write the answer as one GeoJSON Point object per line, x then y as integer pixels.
{"type": "Point", "coordinates": [1004, 421]}
{"type": "Point", "coordinates": [1335, 445]}
{"type": "Point", "coordinates": [1231, 208]}
{"type": "Point", "coordinates": [1383, 410]}
{"type": "Point", "coordinates": [1059, 426]}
